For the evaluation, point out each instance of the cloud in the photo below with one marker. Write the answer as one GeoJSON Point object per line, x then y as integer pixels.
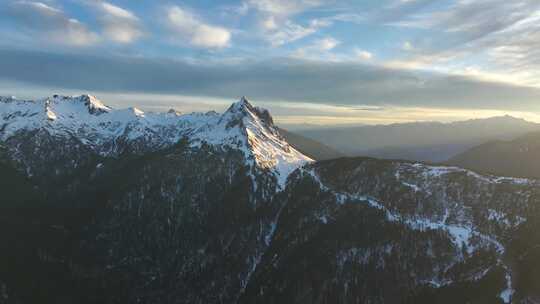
{"type": "Point", "coordinates": [194, 31]}
{"type": "Point", "coordinates": [269, 23]}
{"type": "Point", "coordinates": [119, 25]}
{"type": "Point", "coordinates": [398, 10]}
{"type": "Point", "coordinates": [474, 19]}
{"type": "Point", "coordinates": [327, 44]}
{"type": "Point", "coordinates": [292, 80]}
{"type": "Point", "coordinates": [317, 49]}
{"type": "Point", "coordinates": [46, 23]}
{"type": "Point", "coordinates": [242, 9]}
{"type": "Point", "coordinates": [501, 36]}
{"type": "Point", "coordinates": [363, 54]}
{"type": "Point", "coordinates": [276, 23]}
{"type": "Point", "coordinates": [282, 8]}
{"type": "Point", "coordinates": [407, 46]}
{"type": "Point", "coordinates": [289, 31]}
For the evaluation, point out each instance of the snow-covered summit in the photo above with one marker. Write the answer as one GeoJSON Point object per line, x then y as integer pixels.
{"type": "Point", "coordinates": [252, 130]}
{"type": "Point", "coordinates": [92, 104]}
{"type": "Point", "coordinates": [111, 131]}
{"type": "Point", "coordinates": [243, 108]}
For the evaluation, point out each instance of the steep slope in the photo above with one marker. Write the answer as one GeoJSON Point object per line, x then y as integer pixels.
{"type": "Point", "coordinates": [17, 189]}
{"type": "Point", "coordinates": [421, 141]}
{"type": "Point", "coordinates": [371, 231]}
{"type": "Point", "coordinates": [138, 201]}
{"type": "Point", "coordinates": [519, 157]}
{"type": "Point", "coordinates": [310, 147]}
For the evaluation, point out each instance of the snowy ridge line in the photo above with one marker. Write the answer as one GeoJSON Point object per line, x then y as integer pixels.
{"type": "Point", "coordinates": [460, 235]}
{"type": "Point", "coordinates": [429, 173]}
{"type": "Point", "coordinates": [242, 127]}
{"type": "Point", "coordinates": [89, 120]}
{"type": "Point", "coordinates": [432, 170]}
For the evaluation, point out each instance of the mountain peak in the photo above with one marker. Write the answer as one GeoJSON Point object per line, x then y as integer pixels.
{"type": "Point", "coordinates": [244, 109]}
{"type": "Point", "coordinates": [242, 127]}
{"type": "Point", "coordinates": [244, 100]}
{"type": "Point", "coordinates": [174, 112]}
{"type": "Point", "coordinates": [94, 105]}
{"type": "Point", "coordinates": [241, 105]}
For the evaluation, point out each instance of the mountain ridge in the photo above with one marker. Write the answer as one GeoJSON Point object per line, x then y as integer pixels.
{"type": "Point", "coordinates": [107, 130]}
{"type": "Point", "coordinates": [310, 147]}
{"type": "Point", "coordinates": [517, 157]}
{"type": "Point", "coordinates": [421, 141]}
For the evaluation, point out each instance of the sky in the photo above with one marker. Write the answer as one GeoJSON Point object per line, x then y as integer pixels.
{"type": "Point", "coordinates": [313, 63]}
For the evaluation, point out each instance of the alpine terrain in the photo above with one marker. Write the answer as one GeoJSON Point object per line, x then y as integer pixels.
{"type": "Point", "coordinates": [101, 205]}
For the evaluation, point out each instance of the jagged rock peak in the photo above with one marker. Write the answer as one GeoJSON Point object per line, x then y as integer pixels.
{"type": "Point", "coordinates": [174, 112]}
{"type": "Point", "coordinates": [244, 108]}
{"type": "Point", "coordinates": [242, 105]}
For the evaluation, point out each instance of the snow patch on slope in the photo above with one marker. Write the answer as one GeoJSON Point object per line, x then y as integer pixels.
{"type": "Point", "coordinates": [461, 233]}
{"type": "Point", "coordinates": [438, 171]}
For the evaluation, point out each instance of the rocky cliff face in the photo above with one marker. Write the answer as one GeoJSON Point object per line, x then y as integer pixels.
{"type": "Point", "coordinates": [116, 206]}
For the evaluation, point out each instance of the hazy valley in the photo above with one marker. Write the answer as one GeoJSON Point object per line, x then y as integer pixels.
{"type": "Point", "coordinates": [421, 141]}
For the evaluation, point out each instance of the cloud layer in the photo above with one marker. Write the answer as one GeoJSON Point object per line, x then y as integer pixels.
{"type": "Point", "coordinates": [505, 33]}
{"type": "Point", "coordinates": [119, 25]}
{"type": "Point", "coordinates": [46, 23]}
{"type": "Point", "coordinates": [193, 30]}
{"type": "Point", "coordinates": [466, 54]}
{"type": "Point", "coordinates": [290, 80]}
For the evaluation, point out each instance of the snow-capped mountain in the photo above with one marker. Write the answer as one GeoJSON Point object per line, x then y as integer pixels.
{"type": "Point", "coordinates": [111, 132]}
{"type": "Point", "coordinates": [120, 206]}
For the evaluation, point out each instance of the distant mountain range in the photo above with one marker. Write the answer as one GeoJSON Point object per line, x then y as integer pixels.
{"type": "Point", "coordinates": [519, 157]}
{"type": "Point", "coordinates": [103, 206]}
{"type": "Point", "coordinates": [421, 141]}
{"type": "Point", "coordinates": [310, 147]}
